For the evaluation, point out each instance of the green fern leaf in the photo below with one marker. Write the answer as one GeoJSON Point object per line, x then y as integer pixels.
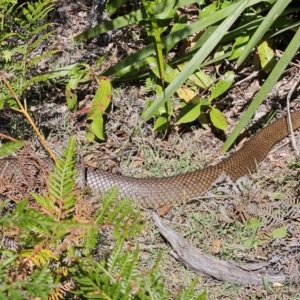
{"type": "Point", "coordinates": [62, 179]}
{"type": "Point", "coordinates": [45, 202]}
{"type": "Point", "coordinates": [91, 240]}
{"type": "Point", "coordinates": [110, 197]}
{"type": "Point", "coordinates": [9, 148]}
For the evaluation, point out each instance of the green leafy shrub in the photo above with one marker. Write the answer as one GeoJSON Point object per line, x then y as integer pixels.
{"type": "Point", "coordinates": [50, 248]}
{"type": "Point", "coordinates": [233, 30]}
{"type": "Point", "coordinates": [23, 30]}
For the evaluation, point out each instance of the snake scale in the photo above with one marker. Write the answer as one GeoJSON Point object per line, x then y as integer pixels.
{"type": "Point", "coordinates": [155, 192]}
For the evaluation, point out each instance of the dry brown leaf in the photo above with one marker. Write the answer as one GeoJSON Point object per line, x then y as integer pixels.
{"type": "Point", "coordinates": [186, 94]}
{"type": "Point", "coordinates": [137, 163]}
{"type": "Point", "coordinates": [216, 246]}
{"type": "Point", "coordinates": [163, 210]}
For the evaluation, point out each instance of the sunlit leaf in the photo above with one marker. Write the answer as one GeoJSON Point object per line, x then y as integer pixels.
{"type": "Point", "coordinates": [279, 233]}
{"type": "Point", "coordinates": [189, 113]}
{"type": "Point", "coordinates": [222, 85]}
{"type": "Point", "coordinates": [217, 118]}
{"type": "Point", "coordinates": [161, 124]}
{"type": "Point", "coordinates": [266, 56]}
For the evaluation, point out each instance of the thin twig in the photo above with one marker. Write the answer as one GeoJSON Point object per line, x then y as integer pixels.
{"type": "Point", "coordinates": [254, 74]}
{"type": "Point", "coordinates": [24, 111]}
{"type": "Point", "coordinates": [119, 155]}
{"type": "Point", "coordinates": [289, 114]}
{"type": "Point", "coordinates": [7, 137]}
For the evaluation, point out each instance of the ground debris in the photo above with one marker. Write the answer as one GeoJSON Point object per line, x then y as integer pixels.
{"type": "Point", "coordinates": [251, 274]}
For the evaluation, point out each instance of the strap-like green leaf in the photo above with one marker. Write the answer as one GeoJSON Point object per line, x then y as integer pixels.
{"type": "Point", "coordinates": [287, 56]}
{"type": "Point", "coordinates": [199, 57]}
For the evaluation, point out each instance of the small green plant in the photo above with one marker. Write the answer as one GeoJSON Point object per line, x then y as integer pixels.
{"type": "Point", "coordinates": [225, 30]}
{"type": "Point", "coordinates": [54, 245]}
{"type": "Point", "coordinates": [18, 51]}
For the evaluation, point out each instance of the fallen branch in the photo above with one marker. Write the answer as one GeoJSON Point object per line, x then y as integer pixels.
{"type": "Point", "coordinates": [244, 274]}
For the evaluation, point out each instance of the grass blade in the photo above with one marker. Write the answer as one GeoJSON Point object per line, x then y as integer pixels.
{"type": "Point", "coordinates": [131, 18]}
{"type": "Point", "coordinates": [194, 63]}
{"type": "Point", "coordinates": [135, 61]}
{"type": "Point", "coordinates": [265, 89]}
{"type": "Point", "coordinates": [273, 14]}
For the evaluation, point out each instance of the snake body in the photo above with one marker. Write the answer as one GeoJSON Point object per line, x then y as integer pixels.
{"type": "Point", "coordinates": [155, 192]}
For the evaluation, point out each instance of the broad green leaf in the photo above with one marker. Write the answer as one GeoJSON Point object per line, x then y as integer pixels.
{"type": "Point", "coordinates": [78, 73]}
{"type": "Point", "coordinates": [212, 8]}
{"type": "Point", "coordinates": [239, 46]}
{"type": "Point", "coordinates": [279, 233]}
{"type": "Point", "coordinates": [89, 135]}
{"type": "Point", "coordinates": [71, 97]}
{"type": "Point", "coordinates": [222, 85]}
{"type": "Point", "coordinates": [97, 127]}
{"type": "Point", "coordinates": [254, 223]}
{"type": "Point", "coordinates": [161, 124]}
{"type": "Point", "coordinates": [101, 99]}
{"type": "Point", "coordinates": [199, 100]}
{"type": "Point", "coordinates": [266, 56]}
{"type": "Point", "coordinates": [99, 104]}
{"type": "Point", "coordinates": [217, 118]}
{"type": "Point", "coordinates": [189, 113]}
{"type": "Point", "coordinates": [200, 78]}
{"type": "Point", "coordinates": [179, 23]}
{"type": "Point", "coordinates": [197, 59]}
{"type": "Point", "coordinates": [170, 73]}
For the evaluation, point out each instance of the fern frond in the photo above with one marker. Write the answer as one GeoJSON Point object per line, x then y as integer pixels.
{"type": "Point", "coordinates": [110, 197]}
{"type": "Point", "coordinates": [39, 258]}
{"type": "Point", "coordinates": [39, 284]}
{"type": "Point", "coordinates": [39, 78]}
{"type": "Point", "coordinates": [28, 220]}
{"type": "Point", "coordinates": [8, 5]}
{"type": "Point", "coordinates": [153, 284]}
{"type": "Point", "coordinates": [42, 38]}
{"type": "Point", "coordinates": [129, 271]}
{"type": "Point", "coordinates": [62, 179]}
{"type": "Point", "coordinates": [37, 59]}
{"type": "Point", "coordinates": [38, 32]}
{"type": "Point", "coordinates": [38, 11]}
{"type": "Point", "coordinates": [6, 35]}
{"type": "Point", "coordinates": [61, 291]}
{"type": "Point", "coordinates": [45, 202]}
{"type": "Point", "coordinates": [9, 148]}
{"type": "Point", "coordinates": [90, 241]}
{"type": "Point", "coordinates": [189, 292]}
{"type": "Point", "coordinates": [114, 258]}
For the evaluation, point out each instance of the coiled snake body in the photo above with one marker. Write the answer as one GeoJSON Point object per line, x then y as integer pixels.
{"type": "Point", "coordinates": [155, 192]}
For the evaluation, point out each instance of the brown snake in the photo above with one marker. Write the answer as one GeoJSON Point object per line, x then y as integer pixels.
{"type": "Point", "coordinates": [155, 192]}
